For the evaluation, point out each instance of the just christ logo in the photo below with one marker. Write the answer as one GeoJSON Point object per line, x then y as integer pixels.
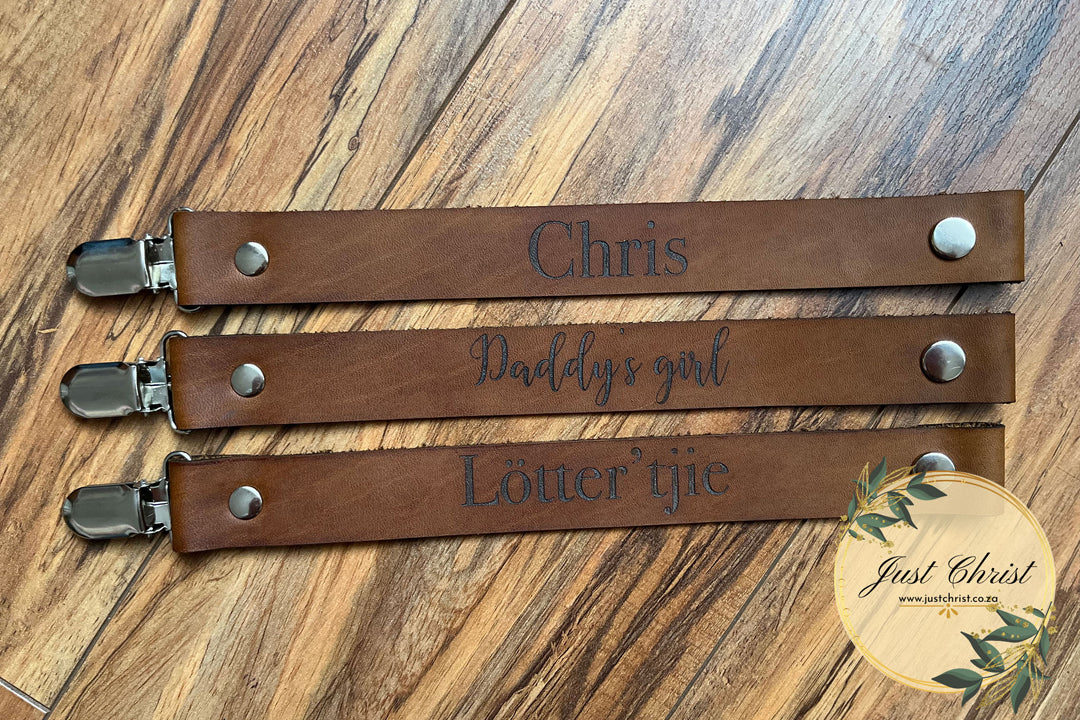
{"type": "Point", "coordinates": [944, 581]}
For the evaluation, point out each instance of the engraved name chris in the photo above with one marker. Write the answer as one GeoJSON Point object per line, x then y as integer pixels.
{"type": "Point", "coordinates": [585, 369]}
{"type": "Point", "coordinates": [598, 259]}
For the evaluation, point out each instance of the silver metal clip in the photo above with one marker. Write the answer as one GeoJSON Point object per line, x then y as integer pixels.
{"type": "Point", "coordinates": [100, 512]}
{"type": "Point", "coordinates": [103, 390]}
{"type": "Point", "coordinates": [124, 266]}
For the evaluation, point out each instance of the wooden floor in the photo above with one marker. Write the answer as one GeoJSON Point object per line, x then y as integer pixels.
{"type": "Point", "coordinates": [115, 112]}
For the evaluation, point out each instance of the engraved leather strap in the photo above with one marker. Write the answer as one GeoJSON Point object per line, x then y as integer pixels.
{"type": "Point", "coordinates": [374, 255]}
{"type": "Point", "coordinates": [430, 492]}
{"type": "Point", "coordinates": [386, 375]}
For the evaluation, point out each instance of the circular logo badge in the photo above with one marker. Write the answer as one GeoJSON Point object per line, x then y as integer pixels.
{"type": "Point", "coordinates": [945, 582]}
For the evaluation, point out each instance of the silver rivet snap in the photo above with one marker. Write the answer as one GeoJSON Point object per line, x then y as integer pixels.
{"type": "Point", "coordinates": [953, 238]}
{"type": "Point", "coordinates": [943, 361]}
{"type": "Point", "coordinates": [933, 461]}
{"type": "Point", "coordinates": [251, 258]}
{"type": "Point", "coordinates": [248, 380]}
{"type": "Point", "coordinates": [245, 502]}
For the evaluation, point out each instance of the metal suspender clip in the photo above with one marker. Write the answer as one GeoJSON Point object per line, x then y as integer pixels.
{"type": "Point", "coordinates": [101, 390]}
{"type": "Point", "coordinates": [125, 265]}
{"type": "Point", "coordinates": [100, 512]}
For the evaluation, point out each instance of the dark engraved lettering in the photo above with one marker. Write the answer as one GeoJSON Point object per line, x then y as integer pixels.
{"type": "Point", "coordinates": [554, 380]}
{"type": "Point", "coordinates": [605, 376]}
{"type": "Point", "coordinates": [706, 477]}
{"type": "Point", "coordinates": [541, 492]}
{"type": "Point", "coordinates": [590, 371]}
{"type": "Point", "coordinates": [689, 367]}
{"type": "Point", "coordinates": [590, 483]}
{"type": "Point", "coordinates": [560, 473]}
{"type": "Point", "coordinates": [664, 367]}
{"type": "Point", "coordinates": [526, 487]}
{"type": "Point", "coordinates": [691, 475]}
{"type": "Point", "coordinates": [630, 253]}
{"type": "Point", "coordinates": [586, 473]}
{"type": "Point", "coordinates": [470, 496]}
{"type": "Point", "coordinates": [579, 366]}
{"type": "Point", "coordinates": [520, 371]}
{"type": "Point", "coordinates": [678, 257]}
{"type": "Point", "coordinates": [482, 356]}
{"type": "Point", "coordinates": [586, 253]}
{"type": "Point", "coordinates": [650, 259]}
{"type": "Point", "coordinates": [534, 250]}
{"type": "Point", "coordinates": [624, 256]}
{"type": "Point", "coordinates": [654, 468]}
{"type": "Point", "coordinates": [719, 341]}
{"type": "Point", "coordinates": [691, 478]}
{"type": "Point", "coordinates": [613, 481]}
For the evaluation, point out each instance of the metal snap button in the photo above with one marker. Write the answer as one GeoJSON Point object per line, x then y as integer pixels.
{"type": "Point", "coordinates": [248, 380]}
{"type": "Point", "coordinates": [943, 361]}
{"type": "Point", "coordinates": [251, 258]}
{"type": "Point", "coordinates": [933, 461]}
{"type": "Point", "coordinates": [245, 502]}
{"type": "Point", "coordinates": [953, 238]}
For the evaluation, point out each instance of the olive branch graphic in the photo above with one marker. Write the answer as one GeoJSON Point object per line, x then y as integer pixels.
{"type": "Point", "coordinates": [867, 507]}
{"type": "Point", "coordinates": [1015, 671]}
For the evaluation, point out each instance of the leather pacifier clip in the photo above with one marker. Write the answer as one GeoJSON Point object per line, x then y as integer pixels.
{"type": "Point", "coordinates": [228, 381]}
{"type": "Point", "coordinates": [429, 492]}
{"type": "Point", "coordinates": [241, 258]}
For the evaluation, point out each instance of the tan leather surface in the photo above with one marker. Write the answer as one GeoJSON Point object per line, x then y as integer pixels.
{"type": "Point", "coordinates": [338, 377]}
{"type": "Point", "coordinates": [340, 256]}
{"type": "Point", "coordinates": [411, 493]}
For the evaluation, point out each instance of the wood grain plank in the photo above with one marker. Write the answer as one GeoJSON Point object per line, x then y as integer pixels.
{"type": "Point", "coordinates": [14, 707]}
{"type": "Point", "coordinates": [460, 609]}
{"type": "Point", "coordinates": [788, 657]}
{"type": "Point", "coordinates": [590, 102]}
{"type": "Point", "coordinates": [114, 114]}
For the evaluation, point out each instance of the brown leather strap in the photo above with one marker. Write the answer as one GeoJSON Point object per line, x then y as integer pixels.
{"type": "Point", "coordinates": [343, 256]}
{"type": "Point", "coordinates": [429, 492]}
{"type": "Point", "coordinates": [337, 377]}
